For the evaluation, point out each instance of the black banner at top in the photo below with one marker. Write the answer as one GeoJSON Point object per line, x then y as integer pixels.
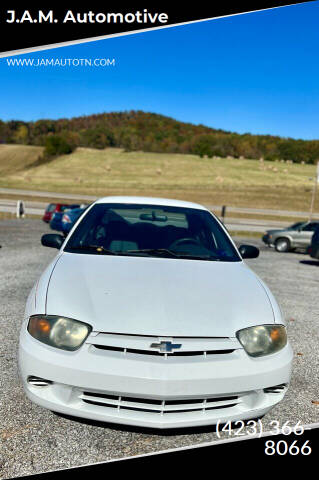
{"type": "Point", "coordinates": [34, 26]}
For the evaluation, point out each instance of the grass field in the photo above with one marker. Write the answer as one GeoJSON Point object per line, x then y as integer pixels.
{"type": "Point", "coordinates": [14, 158]}
{"type": "Point", "coordinates": [233, 182]}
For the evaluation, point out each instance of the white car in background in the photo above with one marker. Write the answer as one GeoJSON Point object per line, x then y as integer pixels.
{"type": "Point", "coordinates": [148, 316]}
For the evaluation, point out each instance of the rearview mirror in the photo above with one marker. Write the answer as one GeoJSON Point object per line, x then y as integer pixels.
{"type": "Point", "coordinates": [248, 251]}
{"type": "Point", "coordinates": [153, 217]}
{"type": "Point", "coordinates": [52, 240]}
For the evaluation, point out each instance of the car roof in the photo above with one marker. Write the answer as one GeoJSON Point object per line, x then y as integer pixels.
{"type": "Point", "coordinates": [166, 202]}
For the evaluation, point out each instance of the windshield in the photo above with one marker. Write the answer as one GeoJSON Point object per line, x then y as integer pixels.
{"type": "Point", "coordinates": [151, 230]}
{"type": "Point", "coordinates": [64, 208]}
{"type": "Point", "coordinates": [50, 207]}
{"type": "Point", "coordinates": [296, 226]}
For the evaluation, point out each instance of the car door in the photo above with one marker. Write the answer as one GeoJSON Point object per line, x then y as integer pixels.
{"type": "Point", "coordinates": [304, 239]}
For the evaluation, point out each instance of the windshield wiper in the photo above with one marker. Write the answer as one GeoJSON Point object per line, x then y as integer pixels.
{"type": "Point", "coordinates": [146, 251]}
{"type": "Point", "coordinates": [154, 251]}
{"type": "Point", "coordinates": [166, 251]}
{"type": "Point", "coordinates": [96, 248]}
{"type": "Point", "coordinates": [100, 249]}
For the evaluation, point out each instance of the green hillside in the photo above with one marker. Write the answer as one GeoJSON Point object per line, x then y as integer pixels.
{"type": "Point", "coordinates": [231, 181]}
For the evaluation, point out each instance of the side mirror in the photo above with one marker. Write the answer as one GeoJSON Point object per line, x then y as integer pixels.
{"type": "Point", "coordinates": [248, 251]}
{"type": "Point", "coordinates": [52, 240]}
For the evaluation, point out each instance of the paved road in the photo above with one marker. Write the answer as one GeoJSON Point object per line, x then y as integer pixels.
{"type": "Point", "coordinates": [232, 223]}
{"type": "Point", "coordinates": [215, 208]}
{"type": "Point", "coordinates": [55, 195]}
{"type": "Point", "coordinates": [253, 225]}
{"type": "Point", "coordinates": [31, 208]}
{"type": "Point", "coordinates": [34, 440]}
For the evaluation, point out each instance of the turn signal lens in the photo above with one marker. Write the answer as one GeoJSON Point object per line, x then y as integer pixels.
{"type": "Point", "coordinates": [275, 334]}
{"type": "Point", "coordinates": [38, 326]}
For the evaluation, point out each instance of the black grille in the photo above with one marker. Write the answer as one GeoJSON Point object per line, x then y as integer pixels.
{"type": "Point", "coordinates": [276, 388]}
{"type": "Point", "coordinates": [158, 406]}
{"type": "Point", "coordinates": [154, 352]}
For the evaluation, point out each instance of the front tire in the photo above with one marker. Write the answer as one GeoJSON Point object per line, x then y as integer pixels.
{"type": "Point", "coordinates": [282, 245]}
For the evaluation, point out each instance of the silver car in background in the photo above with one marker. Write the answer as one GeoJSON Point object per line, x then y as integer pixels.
{"type": "Point", "coordinates": [297, 236]}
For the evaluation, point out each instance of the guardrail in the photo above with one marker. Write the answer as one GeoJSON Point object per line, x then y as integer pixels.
{"type": "Point", "coordinates": [89, 198]}
{"type": "Point", "coordinates": [231, 221]}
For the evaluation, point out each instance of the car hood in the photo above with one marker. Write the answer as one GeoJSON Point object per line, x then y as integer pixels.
{"type": "Point", "coordinates": [158, 296]}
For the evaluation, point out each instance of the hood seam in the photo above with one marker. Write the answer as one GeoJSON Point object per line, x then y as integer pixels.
{"type": "Point", "coordinates": [271, 305]}
{"type": "Point", "coordinates": [47, 290]}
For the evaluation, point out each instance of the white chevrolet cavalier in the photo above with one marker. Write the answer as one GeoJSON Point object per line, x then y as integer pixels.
{"type": "Point", "coordinates": [148, 316]}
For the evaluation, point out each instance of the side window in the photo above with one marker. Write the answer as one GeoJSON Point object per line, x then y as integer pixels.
{"type": "Point", "coordinates": [314, 227]}
{"type": "Point", "coordinates": [315, 237]}
{"type": "Point", "coordinates": [50, 207]}
{"type": "Point", "coordinates": [310, 227]}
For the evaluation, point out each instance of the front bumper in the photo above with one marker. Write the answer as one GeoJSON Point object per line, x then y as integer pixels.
{"type": "Point", "coordinates": [153, 392]}
{"type": "Point", "coordinates": [314, 251]}
{"type": "Point", "coordinates": [267, 239]}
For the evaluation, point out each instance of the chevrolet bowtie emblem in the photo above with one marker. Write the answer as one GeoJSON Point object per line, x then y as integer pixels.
{"type": "Point", "coordinates": [166, 347]}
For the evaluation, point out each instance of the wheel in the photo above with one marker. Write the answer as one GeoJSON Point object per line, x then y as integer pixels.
{"type": "Point", "coordinates": [282, 245]}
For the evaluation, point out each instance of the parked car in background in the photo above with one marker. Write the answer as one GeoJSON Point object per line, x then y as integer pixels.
{"type": "Point", "coordinates": [51, 209]}
{"type": "Point", "coordinates": [70, 217]}
{"type": "Point", "coordinates": [55, 222]}
{"type": "Point", "coordinates": [297, 236]}
{"type": "Point", "coordinates": [56, 219]}
{"type": "Point", "coordinates": [314, 246]}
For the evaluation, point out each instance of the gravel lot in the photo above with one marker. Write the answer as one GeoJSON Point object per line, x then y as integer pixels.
{"type": "Point", "coordinates": [34, 440]}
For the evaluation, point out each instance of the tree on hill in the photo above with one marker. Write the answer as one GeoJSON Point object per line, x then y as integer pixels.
{"type": "Point", "coordinates": [57, 145]}
{"type": "Point", "coordinates": [150, 132]}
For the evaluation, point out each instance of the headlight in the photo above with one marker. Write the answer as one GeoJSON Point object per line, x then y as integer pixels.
{"type": "Point", "coordinates": [59, 332]}
{"type": "Point", "coordinates": [262, 339]}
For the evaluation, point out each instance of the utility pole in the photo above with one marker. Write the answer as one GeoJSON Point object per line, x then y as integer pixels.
{"type": "Point", "coordinates": [314, 191]}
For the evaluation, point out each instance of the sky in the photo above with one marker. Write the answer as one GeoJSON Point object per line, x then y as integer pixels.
{"type": "Point", "coordinates": [256, 73]}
